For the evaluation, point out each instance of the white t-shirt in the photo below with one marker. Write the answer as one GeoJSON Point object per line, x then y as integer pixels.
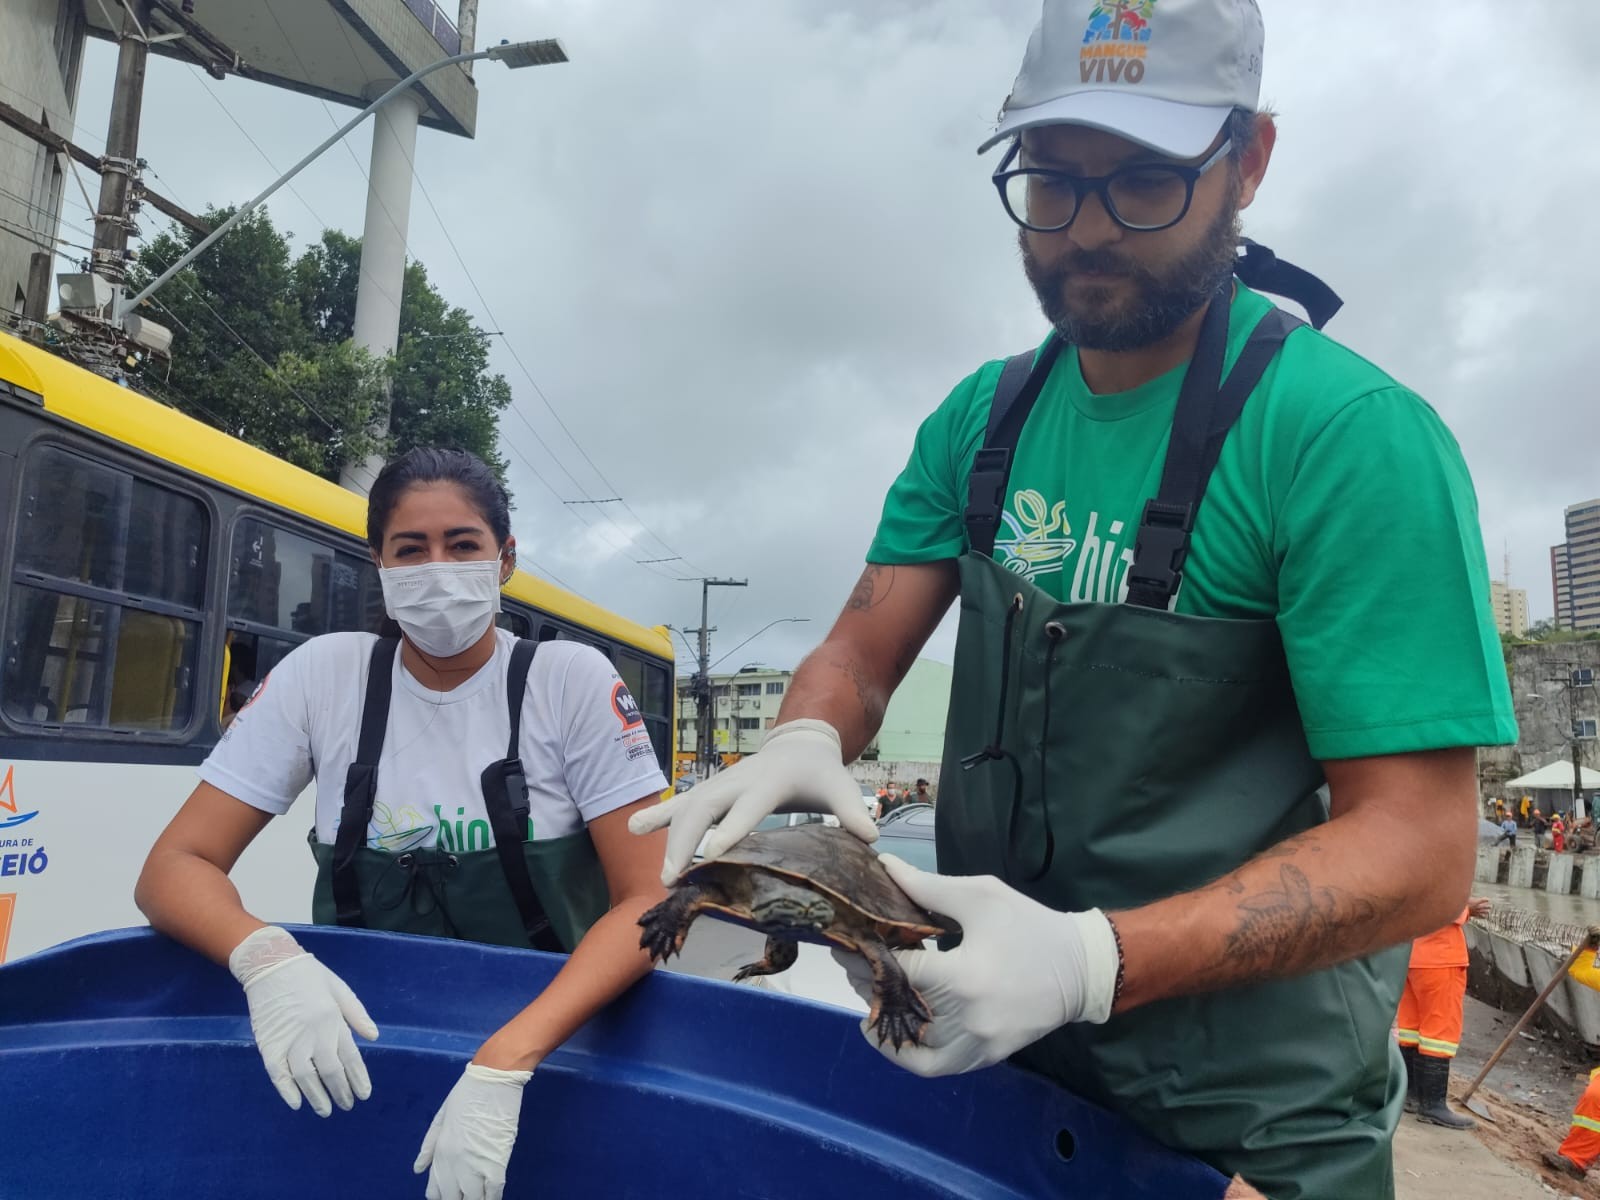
{"type": "Point", "coordinates": [584, 745]}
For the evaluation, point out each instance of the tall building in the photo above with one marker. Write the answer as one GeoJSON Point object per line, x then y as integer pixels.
{"type": "Point", "coordinates": [1510, 608]}
{"type": "Point", "coordinates": [1575, 569]}
{"type": "Point", "coordinates": [41, 54]}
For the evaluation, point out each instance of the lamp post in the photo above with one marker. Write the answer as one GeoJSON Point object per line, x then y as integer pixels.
{"type": "Point", "coordinates": [513, 54]}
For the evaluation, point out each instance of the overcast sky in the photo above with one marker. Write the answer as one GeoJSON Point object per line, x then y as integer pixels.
{"type": "Point", "coordinates": [744, 253]}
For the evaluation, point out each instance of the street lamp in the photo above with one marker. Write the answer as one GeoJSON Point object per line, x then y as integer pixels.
{"type": "Point", "coordinates": [513, 54]}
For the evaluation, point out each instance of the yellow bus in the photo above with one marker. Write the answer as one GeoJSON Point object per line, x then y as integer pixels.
{"type": "Point", "coordinates": [156, 568]}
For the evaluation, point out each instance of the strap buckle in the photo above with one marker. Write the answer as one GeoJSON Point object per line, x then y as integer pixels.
{"type": "Point", "coordinates": [986, 487]}
{"type": "Point", "coordinates": [1162, 548]}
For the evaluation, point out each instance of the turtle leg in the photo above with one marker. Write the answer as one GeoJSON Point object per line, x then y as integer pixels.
{"type": "Point", "coordinates": [780, 957]}
{"type": "Point", "coordinates": [667, 924]}
{"type": "Point", "coordinates": [898, 1012]}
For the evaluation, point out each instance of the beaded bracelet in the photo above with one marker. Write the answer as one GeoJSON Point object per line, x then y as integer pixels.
{"type": "Point", "coordinates": [1122, 964]}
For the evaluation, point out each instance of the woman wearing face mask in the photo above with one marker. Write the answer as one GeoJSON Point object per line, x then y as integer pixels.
{"type": "Point", "coordinates": [448, 814]}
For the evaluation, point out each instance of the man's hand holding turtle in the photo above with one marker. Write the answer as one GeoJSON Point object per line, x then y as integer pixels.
{"type": "Point", "coordinates": [1021, 971]}
{"type": "Point", "coordinates": [800, 769]}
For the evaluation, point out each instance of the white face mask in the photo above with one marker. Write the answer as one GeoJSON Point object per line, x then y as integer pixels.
{"type": "Point", "coordinates": [443, 607]}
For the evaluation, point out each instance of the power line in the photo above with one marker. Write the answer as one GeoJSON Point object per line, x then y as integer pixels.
{"type": "Point", "coordinates": [44, 241]}
{"type": "Point", "coordinates": [522, 416]}
{"type": "Point", "coordinates": [629, 539]}
{"type": "Point", "coordinates": [41, 209]}
{"type": "Point", "coordinates": [488, 313]}
{"type": "Point", "coordinates": [538, 391]}
{"type": "Point", "coordinates": [227, 112]}
{"type": "Point", "coordinates": [64, 119]}
{"type": "Point", "coordinates": [272, 371]}
{"type": "Point", "coordinates": [344, 142]}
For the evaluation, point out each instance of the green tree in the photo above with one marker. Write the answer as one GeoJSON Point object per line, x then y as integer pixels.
{"type": "Point", "coordinates": [262, 350]}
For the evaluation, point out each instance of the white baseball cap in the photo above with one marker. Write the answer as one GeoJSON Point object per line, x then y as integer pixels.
{"type": "Point", "coordinates": [1163, 73]}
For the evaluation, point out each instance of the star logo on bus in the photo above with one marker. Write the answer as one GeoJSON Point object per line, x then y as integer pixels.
{"type": "Point", "coordinates": [8, 801]}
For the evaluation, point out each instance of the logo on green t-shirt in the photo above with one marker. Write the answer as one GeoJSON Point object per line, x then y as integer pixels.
{"type": "Point", "coordinates": [1040, 544]}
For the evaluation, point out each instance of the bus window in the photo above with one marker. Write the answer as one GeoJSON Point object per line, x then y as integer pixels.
{"type": "Point", "coordinates": [290, 582]}
{"type": "Point", "coordinates": [514, 623]}
{"type": "Point", "coordinates": [567, 635]}
{"type": "Point", "coordinates": [656, 702]}
{"type": "Point", "coordinates": [648, 685]}
{"type": "Point", "coordinates": [107, 598]}
{"type": "Point", "coordinates": [631, 669]}
{"type": "Point", "coordinates": [283, 589]}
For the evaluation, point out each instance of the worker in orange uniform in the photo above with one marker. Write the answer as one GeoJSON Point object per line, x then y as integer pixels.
{"type": "Point", "coordinates": [1582, 1146]}
{"type": "Point", "coordinates": [1430, 1017]}
{"type": "Point", "coordinates": [1558, 833]}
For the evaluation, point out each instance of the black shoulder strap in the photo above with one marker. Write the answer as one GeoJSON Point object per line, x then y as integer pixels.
{"type": "Point", "coordinates": [1263, 270]}
{"type": "Point", "coordinates": [517, 688]}
{"type": "Point", "coordinates": [1013, 378]}
{"type": "Point", "coordinates": [1021, 380]}
{"type": "Point", "coordinates": [1206, 413]}
{"type": "Point", "coordinates": [361, 782]}
{"type": "Point", "coordinates": [505, 797]}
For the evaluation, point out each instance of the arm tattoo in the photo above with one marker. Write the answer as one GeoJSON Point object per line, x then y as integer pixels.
{"type": "Point", "coordinates": [1294, 926]}
{"type": "Point", "coordinates": [867, 594]}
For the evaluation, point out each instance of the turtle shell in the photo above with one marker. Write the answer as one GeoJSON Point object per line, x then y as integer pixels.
{"type": "Point", "coordinates": [832, 861]}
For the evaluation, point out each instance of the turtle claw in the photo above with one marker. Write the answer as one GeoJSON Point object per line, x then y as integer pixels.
{"type": "Point", "coordinates": [901, 1019]}
{"type": "Point", "coordinates": [663, 936]}
{"type": "Point", "coordinates": [901, 1028]}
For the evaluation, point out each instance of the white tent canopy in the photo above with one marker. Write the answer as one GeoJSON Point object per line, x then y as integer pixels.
{"type": "Point", "coordinates": [1558, 775]}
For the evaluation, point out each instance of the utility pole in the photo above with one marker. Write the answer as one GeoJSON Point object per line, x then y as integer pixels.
{"type": "Point", "coordinates": [113, 221]}
{"type": "Point", "coordinates": [700, 685]}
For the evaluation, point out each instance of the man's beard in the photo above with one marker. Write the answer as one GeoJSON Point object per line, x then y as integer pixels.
{"type": "Point", "coordinates": [1163, 298]}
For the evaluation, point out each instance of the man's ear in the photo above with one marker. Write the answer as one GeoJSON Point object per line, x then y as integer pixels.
{"type": "Point", "coordinates": [1257, 157]}
{"type": "Point", "coordinates": [508, 556]}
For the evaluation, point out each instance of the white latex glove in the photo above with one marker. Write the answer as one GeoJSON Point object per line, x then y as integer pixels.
{"type": "Point", "coordinates": [1021, 971]}
{"type": "Point", "coordinates": [800, 769]}
{"type": "Point", "coordinates": [301, 1014]}
{"type": "Point", "coordinates": [469, 1143]}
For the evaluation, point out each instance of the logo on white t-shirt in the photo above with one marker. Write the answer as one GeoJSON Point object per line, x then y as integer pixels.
{"type": "Point", "coordinates": [625, 706]}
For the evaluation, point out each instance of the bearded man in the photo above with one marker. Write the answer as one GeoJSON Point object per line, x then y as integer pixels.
{"type": "Point", "coordinates": [1209, 767]}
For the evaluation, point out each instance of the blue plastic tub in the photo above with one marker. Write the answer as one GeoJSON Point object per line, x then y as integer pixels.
{"type": "Point", "coordinates": [128, 1071]}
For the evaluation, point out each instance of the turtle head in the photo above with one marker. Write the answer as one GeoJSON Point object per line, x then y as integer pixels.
{"type": "Point", "coordinates": [778, 904]}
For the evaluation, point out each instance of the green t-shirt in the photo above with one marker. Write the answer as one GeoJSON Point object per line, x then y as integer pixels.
{"type": "Point", "coordinates": [1340, 506]}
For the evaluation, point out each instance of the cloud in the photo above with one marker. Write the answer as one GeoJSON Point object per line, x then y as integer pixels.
{"type": "Point", "coordinates": [745, 249]}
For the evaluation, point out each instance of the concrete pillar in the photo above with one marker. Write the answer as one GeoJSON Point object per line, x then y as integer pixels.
{"type": "Point", "coordinates": [1559, 880]}
{"type": "Point", "coordinates": [383, 249]}
{"type": "Point", "coordinates": [1521, 867]}
{"type": "Point", "coordinates": [1488, 870]}
{"type": "Point", "coordinates": [467, 27]}
{"type": "Point", "coordinates": [1589, 881]}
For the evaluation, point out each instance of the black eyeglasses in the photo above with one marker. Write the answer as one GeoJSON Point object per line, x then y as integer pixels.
{"type": "Point", "coordinates": [1143, 197]}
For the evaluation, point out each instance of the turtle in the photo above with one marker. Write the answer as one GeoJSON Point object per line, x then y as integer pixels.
{"type": "Point", "coordinates": [808, 883]}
